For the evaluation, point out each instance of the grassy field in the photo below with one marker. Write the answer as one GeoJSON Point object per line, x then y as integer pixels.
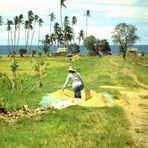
{"type": "Point", "coordinates": [75, 126]}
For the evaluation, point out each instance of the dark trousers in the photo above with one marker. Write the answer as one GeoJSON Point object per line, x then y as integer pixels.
{"type": "Point", "coordinates": [77, 91]}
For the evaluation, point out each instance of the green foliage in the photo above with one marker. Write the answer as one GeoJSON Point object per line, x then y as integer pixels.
{"type": "Point", "coordinates": [142, 53]}
{"type": "Point", "coordinates": [124, 35]}
{"type": "Point", "coordinates": [73, 48]}
{"type": "Point", "coordinates": [40, 54]}
{"type": "Point", "coordinates": [33, 52]}
{"type": "Point", "coordinates": [90, 44]}
{"type": "Point", "coordinates": [103, 46]}
{"type": "Point", "coordinates": [22, 51]}
{"type": "Point", "coordinates": [14, 66]}
{"type": "Point", "coordinates": [38, 67]}
{"type": "Point", "coordinates": [138, 58]}
{"type": "Point", "coordinates": [81, 36]}
{"type": "Point", "coordinates": [46, 43]}
{"type": "Point", "coordinates": [6, 80]}
{"type": "Point", "coordinates": [95, 45]}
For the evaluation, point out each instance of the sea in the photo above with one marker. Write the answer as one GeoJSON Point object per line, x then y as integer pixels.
{"type": "Point", "coordinates": [4, 49]}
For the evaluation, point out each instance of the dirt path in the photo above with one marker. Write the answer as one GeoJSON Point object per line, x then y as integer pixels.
{"type": "Point", "coordinates": [135, 104]}
{"type": "Point", "coordinates": [137, 113]}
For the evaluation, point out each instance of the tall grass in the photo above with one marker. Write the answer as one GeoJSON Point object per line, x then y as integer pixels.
{"type": "Point", "coordinates": [71, 127]}
{"type": "Point", "coordinates": [75, 126]}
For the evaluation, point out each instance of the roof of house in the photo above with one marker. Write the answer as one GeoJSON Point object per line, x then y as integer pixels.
{"type": "Point", "coordinates": [63, 50]}
{"type": "Point", "coordinates": [132, 49]}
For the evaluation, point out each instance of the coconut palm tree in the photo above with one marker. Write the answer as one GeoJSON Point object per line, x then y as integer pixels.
{"type": "Point", "coordinates": [87, 14]}
{"type": "Point", "coordinates": [16, 25]}
{"type": "Point", "coordinates": [20, 21]}
{"type": "Point", "coordinates": [36, 19]}
{"type": "Point", "coordinates": [68, 31]}
{"type": "Point", "coordinates": [26, 33]}
{"type": "Point", "coordinates": [10, 38]}
{"type": "Point", "coordinates": [46, 43]}
{"type": "Point", "coordinates": [62, 5]}
{"type": "Point", "coordinates": [30, 26]}
{"type": "Point", "coordinates": [74, 22]}
{"type": "Point", "coordinates": [68, 35]}
{"type": "Point", "coordinates": [52, 18]}
{"type": "Point", "coordinates": [81, 36]}
{"type": "Point", "coordinates": [30, 15]}
{"type": "Point", "coordinates": [52, 40]}
{"type": "Point", "coordinates": [66, 21]}
{"type": "Point", "coordinates": [1, 21]}
{"type": "Point", "coordinates": [40, 25]}
{"type": "Point", "coordinates": [56, 32]}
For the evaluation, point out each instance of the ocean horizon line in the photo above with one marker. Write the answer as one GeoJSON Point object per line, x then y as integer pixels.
{"type": "Point", "coordinates": [80, 45]}
{"type": "Point", "coordinates": [83, 50]}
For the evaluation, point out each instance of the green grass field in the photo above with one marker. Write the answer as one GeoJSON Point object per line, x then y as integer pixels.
{"type": "Point", "coordinates": [101, 127]}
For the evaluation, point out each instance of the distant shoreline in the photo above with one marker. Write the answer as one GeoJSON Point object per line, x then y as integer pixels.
{"type": "Point", "coordinates": [83, 51]}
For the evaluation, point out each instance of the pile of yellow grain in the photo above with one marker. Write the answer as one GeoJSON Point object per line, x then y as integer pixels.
{"type": "Point", "coordinates": [96, 99]}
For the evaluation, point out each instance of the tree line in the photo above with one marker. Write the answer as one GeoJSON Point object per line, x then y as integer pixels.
{"type": "Point", "coordinates": [63, 33]}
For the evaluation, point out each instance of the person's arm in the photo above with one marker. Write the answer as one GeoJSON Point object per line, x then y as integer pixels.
{"type": "Point", "coordinates": [66, 82]}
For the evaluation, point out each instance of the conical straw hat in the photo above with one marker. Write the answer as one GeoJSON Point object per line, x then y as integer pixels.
{"type": "Point", "coordinates": [71, 69]}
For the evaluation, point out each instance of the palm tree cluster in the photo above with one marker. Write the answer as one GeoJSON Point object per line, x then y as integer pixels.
{"type": "Point", "coordinates": [61, 34]}
{"type": "Point", "coordinates": [14, 28]}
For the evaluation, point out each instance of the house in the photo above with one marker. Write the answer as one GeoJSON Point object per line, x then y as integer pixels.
{"type": "Point", "coordinates": [61, 51]}
{"type": "Point", "coordinates": [132, 50]}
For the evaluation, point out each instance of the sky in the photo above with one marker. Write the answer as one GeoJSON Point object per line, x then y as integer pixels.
{"type": "Point", "coordinates": [105, 15]}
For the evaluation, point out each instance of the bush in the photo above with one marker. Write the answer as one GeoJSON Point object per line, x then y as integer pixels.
{"type": "Point", "coordinates": [73, 48]}
{"type": "Point", "coordinates": [40, 54]}
{"type": "Point", "coordinates": [142, 53]}
{"type": "Point", "coordinates": [90, 44]}
{"type": "Point", "coordinates": [33, 52]}
{"type": "Point", "coordinates": [22, 51]}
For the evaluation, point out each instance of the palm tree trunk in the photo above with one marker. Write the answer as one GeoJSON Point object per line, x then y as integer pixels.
{"type": "Point", "coordinates": [28, 31]}
{"type": "Point", "coordinates": [86, 25]}
{"type": "Point", "coordinates": [38, 39]}
{"type": "Point", "coordinates": [61, 17]}
{"type": "Point", "coordinates": [50, 27]}
{"type": "Point", "coordinates": [9, 42]}
{"type": "Point", "coordinates": [15, 38]}
{"type": "Point", "coordinates": [18, 38]}
{"type": "Point", "coordinates": [26, 38]}
{"type": "Point", "coordinates": [73, 33]}
{"type": "Point", "coordinates": [32, 35]}
{"type": "Point", "coordinates": [12, 41]}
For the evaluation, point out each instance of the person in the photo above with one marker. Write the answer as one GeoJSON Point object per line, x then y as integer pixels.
{"type": "Point", "coordinates": [77, 82]}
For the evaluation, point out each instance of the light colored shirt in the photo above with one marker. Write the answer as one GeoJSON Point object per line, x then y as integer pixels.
{"type": "Point", "coordinates": [76, 79]}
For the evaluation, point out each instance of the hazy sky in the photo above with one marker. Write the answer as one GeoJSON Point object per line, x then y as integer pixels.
{"type": "Point", "coordinates": [105, 15]}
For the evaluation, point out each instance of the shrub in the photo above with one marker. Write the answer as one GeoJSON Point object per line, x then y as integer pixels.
{"type": "Point", "coordinates": [33, 52]}
{"type": "Point", "coordinates": [73, 48]}
{"type": "Point", "coordinates": [22, 51]}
